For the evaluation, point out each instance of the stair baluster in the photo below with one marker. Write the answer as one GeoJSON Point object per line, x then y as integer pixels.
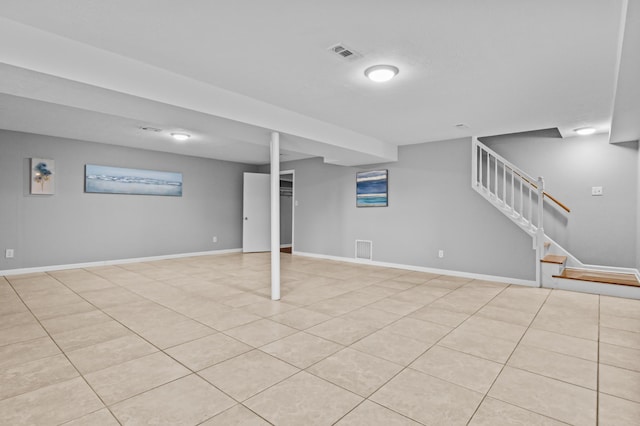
{"type": "Point", "coordinates": [522, 213]}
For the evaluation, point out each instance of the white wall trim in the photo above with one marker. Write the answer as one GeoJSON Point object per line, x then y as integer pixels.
{"type": "Point", "coordinates": [32, 270]}
{"type": "Point", "coordinates": [291, 172]}
{"type": "Point", "coordinates": [518, 281]}
{"type": "Point", "coordinates": [506, 280]}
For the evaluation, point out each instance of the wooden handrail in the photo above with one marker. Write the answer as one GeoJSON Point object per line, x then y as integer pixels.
{"type": "Point", "coordinates": [546, 194]}
{"type": "Point", "coordinates": [565, 208]}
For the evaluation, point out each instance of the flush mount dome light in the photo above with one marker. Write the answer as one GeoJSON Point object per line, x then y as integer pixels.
{"type": "Point", "coordinates": [584, 131]}
{"type": "Point", "coordinates": [180, 136]}
{"type": "Point", "coordinates": [381, 73]}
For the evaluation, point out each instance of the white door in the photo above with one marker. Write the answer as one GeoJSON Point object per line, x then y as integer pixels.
{"type": "Point", "coordinates": [256, 213]}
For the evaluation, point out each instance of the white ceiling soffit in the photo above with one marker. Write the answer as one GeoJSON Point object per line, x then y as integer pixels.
{"type": "Point", "coordinates": [497, 66]}
{"type": "Point", "coordinates": [27, 48]}
{"type": "Point", "coordinates": [625, 124]}
{"type": "Point", "coordinates": [38, 103]}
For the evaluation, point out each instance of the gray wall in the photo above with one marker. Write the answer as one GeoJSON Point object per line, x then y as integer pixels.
{"type": "Point", "coordinates": [638, 218]}
{"type": "Point", "coordinates": [431, 207]}
{"type": "Point", "coordinates": [72, 227]}
{"type": "Point", "coordinates": [601, 230]}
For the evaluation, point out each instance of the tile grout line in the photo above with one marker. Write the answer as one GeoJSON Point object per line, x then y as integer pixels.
{"type": "Point", "coordinates": [196, 373]}
{"type": "Point", "coordinates": [437, 341]}
{"type": "Point", "coordinates": [135, 333]}
{"type": "Point", "coordinates": [597, 363]}
{"type": "Point", "coordinates": [423, 352]}
{"type": "Point", "coordinates": [184, 271]}
{"type": "Point", "coordinates": [231, 408]}
{"type": "Point", "coordinates": [192, 371]}
{"type": "Point", "coordinates": [507, 361]}
{"type": "Point", "coordinates": [152, 344]}
{"type": "Point", "coordinates": [343, 347]}
{"type": "Point", "coordinates": [320, 337]}
{"type": "Point", "coordinates": [187, 318]}
{"type": "Point", "coordinates": [255, 348]}
{"type": "Point", "coordinates": [66, 356]}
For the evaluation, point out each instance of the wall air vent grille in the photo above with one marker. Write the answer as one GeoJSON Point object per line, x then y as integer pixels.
{"type": "Point", "coordinates": [345, 52]}
{"type": "Point", "coordinates": [364, 250]}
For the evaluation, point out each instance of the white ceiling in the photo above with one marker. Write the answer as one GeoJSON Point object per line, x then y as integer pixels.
{"type": "Point", "coordinates": [231, 71]}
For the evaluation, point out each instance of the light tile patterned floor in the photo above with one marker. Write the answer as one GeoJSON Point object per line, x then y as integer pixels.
{"type": "Point", "coordinates": [198, 341]}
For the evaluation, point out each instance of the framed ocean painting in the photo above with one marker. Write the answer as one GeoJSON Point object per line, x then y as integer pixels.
{"type": "Point", "coordinates": [118, 180]}
{"type": "Point", "coordinates": [372, 188]}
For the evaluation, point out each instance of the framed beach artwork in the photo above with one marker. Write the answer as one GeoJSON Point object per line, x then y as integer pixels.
{"type": "Point", "coordinates": [42, 176]}
{"type": "Point", "coordinates": [372, 188]}
{"type": "Point", "coordinates": [118, 180]}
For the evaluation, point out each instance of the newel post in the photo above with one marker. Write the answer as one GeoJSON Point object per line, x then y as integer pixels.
{"type": "Point", "coordinates": [540, 231]}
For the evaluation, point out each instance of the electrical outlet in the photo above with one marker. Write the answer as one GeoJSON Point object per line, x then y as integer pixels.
{"type": "Point", "coordinates": [440, 254]}
{"type": "Point", "coordinates": [8, 253]}
{"type": "Point", "coordinates": [596, 190]}
{"type": "Point", "coordinates": [215, 239]}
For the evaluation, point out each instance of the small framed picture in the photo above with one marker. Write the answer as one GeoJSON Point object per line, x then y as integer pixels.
{"type": "Point", "coordinates": [43, 176]}
{"type": "Point", "coordinates": [372, 188]}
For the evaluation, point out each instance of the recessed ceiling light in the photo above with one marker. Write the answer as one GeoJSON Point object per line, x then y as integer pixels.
{"type": "Point", "coordinates": [584, 131]}
{"type": "Point", "coordinates": [180, 136]}
{"type": "Point", "coordinates": [381, 73]}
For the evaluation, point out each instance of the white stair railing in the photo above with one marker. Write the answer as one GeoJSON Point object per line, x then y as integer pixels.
{"type": "Point", "coordinates": [513, 191]}
{"type": "Point", "coordinates": [517, 195]}
{"type": "Point", "coordinates": [521, 198]}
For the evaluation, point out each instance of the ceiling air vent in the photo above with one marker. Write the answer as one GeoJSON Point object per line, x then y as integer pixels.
{"type": "Point", "coordinates": [150, 129]}
{"type": "Point", "coordinates": [344, 52]}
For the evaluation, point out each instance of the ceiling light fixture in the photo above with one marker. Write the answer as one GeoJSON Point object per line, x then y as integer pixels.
{"type": "Point", "coordinates": [584, 131]}
{"type": "Point", "coordinates": [180, 136]}
{"type": "Point", "coordinates": [381, 73]}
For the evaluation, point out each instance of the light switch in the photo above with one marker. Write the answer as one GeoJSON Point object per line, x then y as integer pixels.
{"type": "Point", "coordinates": [596, 190]}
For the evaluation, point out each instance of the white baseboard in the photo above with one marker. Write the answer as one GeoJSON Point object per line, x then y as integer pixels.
{"type": "Point", "coordinates": [285, 245]}
{"type": "Point", "coordinates": [506, 280]}
{"type": "Point", "coordinates": [49, 268]}
{"type": "Point", "coordinates": [112, 262]}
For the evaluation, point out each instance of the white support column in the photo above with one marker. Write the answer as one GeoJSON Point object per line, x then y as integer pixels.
{"type": "Point", "coordinates": [275, 216]}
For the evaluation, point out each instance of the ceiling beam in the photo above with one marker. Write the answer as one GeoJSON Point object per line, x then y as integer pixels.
{"type": "Point", "coordinates": [33, 49]}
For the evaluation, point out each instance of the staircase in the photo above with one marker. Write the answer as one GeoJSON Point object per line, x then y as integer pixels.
{"type": "Point", "coordinates": [521, 198]}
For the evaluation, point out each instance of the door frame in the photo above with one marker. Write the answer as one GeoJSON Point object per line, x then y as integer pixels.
{"type": "Point", "coordinates": [293, 205]}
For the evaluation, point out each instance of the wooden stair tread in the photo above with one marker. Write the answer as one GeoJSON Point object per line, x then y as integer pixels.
{"type": "Point", "coordinates": [599, 277]}
{"type": "Point", "coordinates": [554, 258]}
